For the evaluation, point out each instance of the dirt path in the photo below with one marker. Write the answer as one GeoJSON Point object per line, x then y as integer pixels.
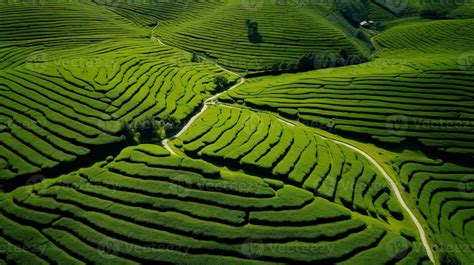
{"type": "Point", "coordinates": [372, 160]}
{"type": "Point", "coordinates": [398, 195]}
{"type": "Point", "coordinates": [206, 103]}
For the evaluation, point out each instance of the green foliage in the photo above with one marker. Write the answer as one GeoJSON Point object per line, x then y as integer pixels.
{"type": "Point", "coordinates": [143, 207]}
{"type": "Point", "coordinates": [353, 11]}
{"type": "Point", "coordinates": [312, 61]}
{"type": "Point", "coordinates": [449, 259]}
{"type": "Point", "coordinates": [221, 82]}
{"type": "Point", "coordinates": [147, 130]}
{"type": "Point", "coordinates": [433, 14]}
{"type": "Point", "coordinates": [264, 144]}
{"type": "Point", "coordinates": [252, 31]}
{"type": "Point", "coordinates": [196, 58]}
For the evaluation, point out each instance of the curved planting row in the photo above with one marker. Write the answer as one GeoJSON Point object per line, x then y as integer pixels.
{"type": "Point", "coordinates": [59, 107]}
{"type": "Point", "coordinates": [31, 30]}
{"type": "Point", "coordinates": [147, 206]}
{"type": "Point", "coordinates": [433, 37]}
{"type": "Point", "coordinates": [246, 36]}
{"type": "Point", "coordinates": [444, 195]}
{"type": "Point", "coordinates": [149, 13]}
{"type": "Point", "coordinates": [431, 107]}
{"type": "Point", "coordinates": [263, 144]}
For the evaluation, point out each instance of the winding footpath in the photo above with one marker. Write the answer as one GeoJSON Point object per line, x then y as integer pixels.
{"type": "Point", "coordinates": [398, 195]}
{"type": "Point", "coordinates": [372, 160]}
{"type": "Point", "coordinates": [206, 103]}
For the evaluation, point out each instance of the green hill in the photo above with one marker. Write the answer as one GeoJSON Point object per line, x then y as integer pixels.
{"type": "Point", "coordinates": [236, 131]}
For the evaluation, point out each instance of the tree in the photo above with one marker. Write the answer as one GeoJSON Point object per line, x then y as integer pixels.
{"type": "Point", "coordinates": [195, 58]}
{"type": "Point", "coordinates": [221, 82]}
{"type": "Point", "coordinates": [433, 14]}
{"type": "Point", "coordinates": [344, 54]}
{"type": "Point", "coordinates": [252, 31]}
{"type": "Point", "coordinates": [147, 130]}
{"type": "Point", "coordinates": [448, 259]}
{"type": "Point", "coordinates": [169, 123]}
{"type": "Point", "coordinates": [306, 62]}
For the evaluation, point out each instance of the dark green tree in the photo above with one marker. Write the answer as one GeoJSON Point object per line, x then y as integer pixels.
{"type": "Point", "coordinates": [147, 130]}
{"type": "Point", "coordinates": [195, 58]}
{"type": "Point", "coordinates": [252, 31]}
{"type": "Point", "coordinates": [221, 82]}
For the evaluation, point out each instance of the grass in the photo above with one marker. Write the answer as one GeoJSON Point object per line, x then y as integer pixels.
{"type": "Point", "coordinates": [76, 214]}
{"type": "Point", "coordinates": [442, 192]}
{"type": "Point", "coordinates": [283, 40]}
{"type": "Point", "coordinates": [430, 97]}
{"type": "Point", "coordinates": [263, 144]}
{"type": "Point", "coordinates": [257, 177]}
{"type": "Point", "coordinates": [61, 109]}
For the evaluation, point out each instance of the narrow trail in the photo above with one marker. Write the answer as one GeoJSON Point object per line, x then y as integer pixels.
{"type": "Point", "coordinates": [206, 103]}
{"type": "Point", "coordinates": [398, 195]}
{"type": "Point", "coordinates": [372, 160]}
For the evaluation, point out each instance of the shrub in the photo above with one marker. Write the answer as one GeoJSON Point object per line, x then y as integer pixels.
{"type": "Point", "coordinates": [221, 82]}
{"type": "Point", "coordinates": [148, 130]}
{"type": "Point", "coordinates": [195, 58]}
{"type": "Point", "coordinates": [353, 11]}
{"type": "Point", "coordinates": [306, 62]}
{"type": "Point", "coordinates": [449, 259]}
{"type": "Point", "coordinates": [433, 14]}
{"type": "Point", "coordinates": [361, 36]}
{"type": "Point", "coordinates": [252, 31]}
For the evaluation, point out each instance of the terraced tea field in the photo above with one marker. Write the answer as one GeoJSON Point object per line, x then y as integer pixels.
{"type": "Point", "coordinates": [264, 144]}
{"type": "Point", "coordinates": [211, 132]}
{"type": "Point", "coordinates": [443, 192]}
{"type": "Point", "coordinates": [145, 199]}
{"type": "Point", "coordinates": [396, 107]}
{"type": "Point", "coordinates": [219, 31]}
{"type": "Point", "coordinates": [58, 110]}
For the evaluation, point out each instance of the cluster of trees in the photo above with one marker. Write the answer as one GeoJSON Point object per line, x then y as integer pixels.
{"type": "Point", "coordinates": [354, 11]}
{"type": "Point", "coordinates": [252, 31]}
{"type": "Point", "coordinates": [221, 82]}
{"type": "Point", "coordinates": [196, 58]}
{"type": "Point", "coordinates": [154, 129]}
{"type": "Point", "coordinates": [150, 129]}
{"type": "Point", "coordinates": [434, 14]}
{"type": "Point", "coordinates": [312, 61]}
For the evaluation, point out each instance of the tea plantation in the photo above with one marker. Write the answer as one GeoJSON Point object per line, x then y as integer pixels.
{"type": "Point", "coordinates": [236, 132]}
